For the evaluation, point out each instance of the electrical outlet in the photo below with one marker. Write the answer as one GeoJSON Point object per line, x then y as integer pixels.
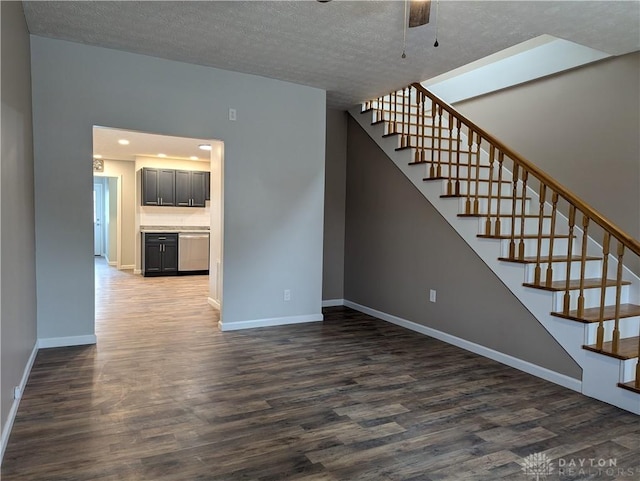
{"type": "Point", "coordinates": [232, 114]}
{"type": "Point", "coordinates": [432, 295]}
{"type": "Point", "coordinates": [17, 392]}
{"type": "Point", "coordinates": [287, 294]}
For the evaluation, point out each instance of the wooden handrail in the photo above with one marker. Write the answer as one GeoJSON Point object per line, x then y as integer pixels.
{"type": "Point", "coordinates": [630, 242]}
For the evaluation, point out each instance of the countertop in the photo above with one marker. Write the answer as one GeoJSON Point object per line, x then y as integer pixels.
{"type": "Point", "coordinates": [173, 228]}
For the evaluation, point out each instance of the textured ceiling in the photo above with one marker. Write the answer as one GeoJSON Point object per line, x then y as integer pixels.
{"type": "Point", "coordinates": [350, 49]}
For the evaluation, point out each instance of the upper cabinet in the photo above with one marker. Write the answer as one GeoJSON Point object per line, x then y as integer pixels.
{"type": "Point", "coordinates": [191, 187]}
{"type": "Point", "coordinates": [158, 187]}
{"type": "Point", "coordinates": [180, 188]}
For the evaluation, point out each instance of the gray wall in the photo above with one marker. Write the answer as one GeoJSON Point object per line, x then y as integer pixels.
{"type": "Point", "coordinates": [273, 174]}
{"type": "Point", "coordinates": [579, 126]}
{"type": "Point", "coordinates": [17, 242]}
{"type": "Point", "coordinates": [334, 205]}
{"type": "Point", "coordinates": [398, 247]}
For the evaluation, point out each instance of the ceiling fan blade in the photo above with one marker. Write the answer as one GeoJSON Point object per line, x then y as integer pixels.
{"type": "Point", "coordinates": [419, 12]}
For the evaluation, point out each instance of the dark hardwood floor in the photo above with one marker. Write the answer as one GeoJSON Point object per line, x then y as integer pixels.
{"type": "Point", "coordinates": [165, 395]}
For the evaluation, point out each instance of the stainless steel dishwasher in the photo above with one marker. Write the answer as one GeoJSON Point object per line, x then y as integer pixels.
{"type": "Point", "coordinates": [193, 252]}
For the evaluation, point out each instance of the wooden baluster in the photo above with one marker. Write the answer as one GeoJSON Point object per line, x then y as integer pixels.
{"type": "Point", "coordinates": [450, 156]}
{"type": "Point", "coordinates": [543, 195]}
{"type": "Point", "coordinates": [407, 133]}
{"type": "Point", "coordinates": [603, 290]}
{"type": "Point", "coordinates": [423, 121]}
{"type": "Point", "coordinates": [616, 326]}
{"type": "Point", "coordinates": [497, 226]}
{"type": "Point", "coordinates": [392, 113]}
{"type": "Point", "coordinates": [432, 172]}
{"type": "Point", "coordinates": [552, 234]}
{"type": "Point", "coordinates": [514, 203]}
{"type": "Point", "coordinates": [403, 136]}
{"type": "Point", "coordinates": [457, 184]}
{"type": "Point", "coordinates": [583, 263]}
{"type": "Point", "coordinates": [492, 154]}
{"type": "Point", "coordinates": [439, 166]}
{"type": "Point", "coordinates": [380, 109]}
{"type": "Point", "coordinates": [476, 202]}
{"type": "Point", "coordinates": [467, 204]}
{"type": "Point", "coordinates": [419, 115]}
{"type": "Point", "coordinates": [523, 209]}
{"type": "Point", "coordinates": [566, 305]}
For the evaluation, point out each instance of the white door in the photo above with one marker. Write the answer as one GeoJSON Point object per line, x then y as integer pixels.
{"type": "Point", "coordinates": [98, 211]}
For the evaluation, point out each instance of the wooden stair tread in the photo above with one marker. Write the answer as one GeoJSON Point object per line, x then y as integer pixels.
{"type": "Point", "coordinates": [526, 236]}
{"type": "Point", "coordinates": [482, 196]}
{"type": "Point", "coordinates": [406, 147]}
{"type": "Point", "coordinates": [461, 179]}
{"type": "Point", "coordinates": [518, 216]}
{"type": "Point", "coordinates": [627, 348]}
{"type": "Point", "coordinates": [446, 163]}
{"type": "Point", "coordinates": [631, 386]}
{"type": "Point", "coordinates": [592, 314]}
{"type": "Point", "coordinates": [574, 284]}
{"type": "Point", "coordinates": [546, 259]}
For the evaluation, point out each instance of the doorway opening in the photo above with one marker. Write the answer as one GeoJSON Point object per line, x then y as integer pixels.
{"type": "Point", "coordinates": [123, 212]}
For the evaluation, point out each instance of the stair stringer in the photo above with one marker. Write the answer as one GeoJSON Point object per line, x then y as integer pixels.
{"type": "Point", "coordinates": [600, 374]}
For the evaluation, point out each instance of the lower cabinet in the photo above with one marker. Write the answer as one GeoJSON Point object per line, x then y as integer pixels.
{"type": "Point", "coordinates": [159, 254]}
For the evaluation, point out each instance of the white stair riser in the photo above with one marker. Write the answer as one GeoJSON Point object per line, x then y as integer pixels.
{"type": "Point", "coordinates": [464, 186]}
{"type": "Point", "coordinates": [628, 370]}
{"type": "Point", "coordinates": [461, 172]}
{"type": "Point", "coordinates": [531, 247]}
{"type": "Point", "coordinates": [592, 298]}
{"type": "Point", "coordinates": [530, 225]}
{"type": "Point", "coordinates": [628, 328]}
{"type": "Point", "coordinates": [491, 206]}
{"type": "Point", "coordinates": [593, 269]}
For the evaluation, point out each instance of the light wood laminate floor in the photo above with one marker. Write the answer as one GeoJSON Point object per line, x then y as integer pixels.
{"type": "Point", "coordinates": [165, 395]}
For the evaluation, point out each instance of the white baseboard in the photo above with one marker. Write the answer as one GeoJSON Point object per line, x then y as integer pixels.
{"type": "Point", "coordinates": [128, 267]}
{"type": "Point", "coordinates": [274, 321]}
{"type": "Point", "coordinates": [8, 425]}
{"type": "Point", "coordinates": [112, 263]}
{"type": "Point", "coordinates": [530, 368]}
{"type": "Point", "coordinates": [213, 303]}
{"type": "Point", "coordinates": [333, 302]}
{"type": "Point", "coordinates": [66, 341]}
{"type": "Point", "coordinates": [137, 271]}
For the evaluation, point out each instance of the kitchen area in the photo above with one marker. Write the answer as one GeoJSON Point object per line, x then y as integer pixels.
{"type": "Point", "coordinates": [168, 210]}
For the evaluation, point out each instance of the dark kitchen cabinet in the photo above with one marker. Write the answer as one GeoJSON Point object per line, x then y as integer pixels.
{"type": "Point", "coordinates": [158, 187]}
{"type": "Point", "coordinates": [191, 188]}
{"type": "Point", "coordinates": [159, 254]}
{"type": "Point", "coordinates": [181, 188]}
{"type": "Point", "coordinates": [207, 186]}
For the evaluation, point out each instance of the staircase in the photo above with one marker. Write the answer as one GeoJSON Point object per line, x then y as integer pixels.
{"type": "Point", "coordinates": [569, 265]}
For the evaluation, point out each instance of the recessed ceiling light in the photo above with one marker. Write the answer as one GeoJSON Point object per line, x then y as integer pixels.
{"type": "Point", "coordinates": [162, 155]}
{"type": "Point", "coordinates": [123, 142]}
{"type": "Point", "coordinates": [97, 156]}
{"type": "Point", "coordinates": [193, 157]}
{"type": "Point", "coordinates": [204, 146]}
